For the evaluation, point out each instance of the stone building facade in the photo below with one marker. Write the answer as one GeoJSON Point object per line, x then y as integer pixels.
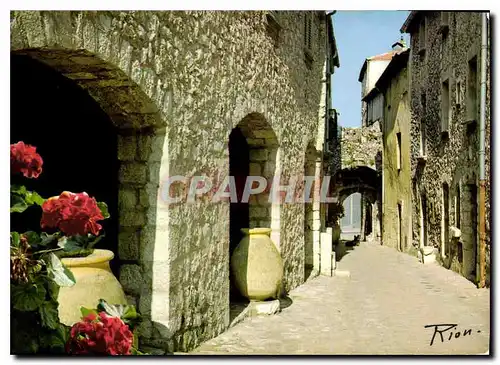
{"type": "Point", "coordinates": [393, 86]}
{"type": "Point", "coordinates": [370, 72]}
{"type": "Point", "coordinates": [445, 66]}
{"type": "Point", "coordinates": [175, 86]}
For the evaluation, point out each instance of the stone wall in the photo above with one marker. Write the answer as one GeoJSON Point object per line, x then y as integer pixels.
{"type": "Point", "coordinates": [360, 146]}
{"type": "Point", "coordinates": [175, 84]}
{"type": "Point", "coordinates": [451, 158]}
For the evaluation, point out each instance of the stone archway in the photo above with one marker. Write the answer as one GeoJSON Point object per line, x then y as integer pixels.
{"type": "Point", "coordinates": [139, 146]}
{"type": "Point", "coordinates": [256, 156]}
{"type": "Point", "coordinates": [364, 180]}
{"type": "Point", "coordinates": [76, 139]}
{"type": "Point", "coordinates": [253, 150]}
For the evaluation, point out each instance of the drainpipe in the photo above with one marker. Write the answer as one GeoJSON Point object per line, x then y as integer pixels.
{"type": "Point", "coordinates": [482, 157]}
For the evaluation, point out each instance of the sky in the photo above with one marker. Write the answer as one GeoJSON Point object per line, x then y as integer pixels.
{"type": "Point", "coordinates": [360, 34]}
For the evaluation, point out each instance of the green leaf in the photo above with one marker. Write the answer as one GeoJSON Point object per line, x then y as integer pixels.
{"type": "Point", "coordinates": [104, 209]}
{"type": "Point", "coordinates": [86, 311]}
{"type": "Point", "coordinates": [46, 239]}
{"type": "Point", "coordinates": [32, 237]}
{"type": "Point", "coordinates": [41, 241]}
{"type": "Point", "coordinates": [56, 340]}
{"type": "Point", "coordinates": [73, 243]}
{"type": "Point", "coordinates": [127, 313]}
{"type": "Point", "coordinates": [135, 342]}
{"type": "Point", "coordinates": [61, 242]}
{"type": "Point", "coordinates": [15, 238]}
{"type": "Point", "coordinates": [130, 313]}
{"type": "Point", "coordinates": [64, 332]}
{"type": "Point", "coordinates": [18, 189]}
{"type": "Point", "coordinates": [49, 314]}
{"type": "Point", "coordinates": [27, 297]}
{"type": "Point", "coordinates": [58, 272]}
{"type": "Point", "coordinates": [118, 310]}
{"type": "Point", "coordinates": [95, 242]}
{"type": "Point", "coordinates": [32, 197]}
{"type": "Point", "coordinates": [53, 289]}
{"type": "Point", "coordinates": [17, 204]}
{"type": "Point", "coordinates": [23, 342]}
{"type": "Point", "coordinates": [21, 199]}
{"type": "Point", "coordinates": [110, 309]}
{"type": "Point", "coordinates": [134, 351]}
{"type": "Point", "coordinates": [36, 269]}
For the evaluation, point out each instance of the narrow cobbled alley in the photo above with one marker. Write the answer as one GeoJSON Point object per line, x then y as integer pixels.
{"type": "Point", "coordinates": [382, 308]}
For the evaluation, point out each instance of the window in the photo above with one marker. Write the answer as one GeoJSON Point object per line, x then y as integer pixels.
{"type": "Point", "coordinates": [445, 107]}
{"type": "Point", "coordinates": [307, 30]}
{"type": "Point", "coordinates": [398, 151]}
{"type": "Point", "coordinates": [472, 90]}
{"type": "Point", "coordinates": [273, 27]}
{"type": "Point", "coordinates": [445, 23]}
{"type": "Point", "coordinates": [458, 94]}
{"type": "Point", "coordinates": [423, 220]}
{"type": "Point", "coordinates": [422, 36]}
{"type": "Point", "coordinates": [445, 219]}
{"type": "Point", "coordinates": [400, 227]}
{"type": "Point", "coordinates": [423, 141]}
{"type": "Point", "coordinates": [457, 207]}
{"type": "Point", "coordinates": [423, 147]}
{"type": "Point", "coordinates": [308, 55]}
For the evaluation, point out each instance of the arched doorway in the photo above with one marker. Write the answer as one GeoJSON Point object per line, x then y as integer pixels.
{"type": "Point", "coordinates": [109, 132]}
{"type": "Point", "coordinates": [253, 148]}
{"type": "Point", "coordinates": [362, 184]}
{"type": "Point", "coordinates": [76, 139]}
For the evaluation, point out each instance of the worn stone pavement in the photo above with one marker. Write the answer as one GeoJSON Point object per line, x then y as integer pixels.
{"type": "Point", "coordinates": [381, 309]}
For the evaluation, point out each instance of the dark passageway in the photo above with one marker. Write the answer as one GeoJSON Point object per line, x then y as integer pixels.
{"type": "Point", "coordinates": [239, 165]}
{"type": "Point", "coordinates": [75, 138]}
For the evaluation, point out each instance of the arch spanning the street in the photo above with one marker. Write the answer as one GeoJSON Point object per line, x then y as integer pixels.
{"type": "Point", "coordinates": [367, 182]}
{"type": "Point", "coordinates": [359, 179]}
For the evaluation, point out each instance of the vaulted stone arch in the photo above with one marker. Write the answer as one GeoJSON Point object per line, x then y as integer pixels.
{"type": "Point", "coordinates": [80, 48]}
{"type": "Point", "coordinates": [364, 180]}
{"type": "Point", "coordinates": [126, 104]}
{"type": "Point", "coordinates": [360, 179]}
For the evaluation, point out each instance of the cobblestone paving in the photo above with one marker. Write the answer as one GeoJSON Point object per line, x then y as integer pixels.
{"type": "Point", "coordinates": [381, 309]}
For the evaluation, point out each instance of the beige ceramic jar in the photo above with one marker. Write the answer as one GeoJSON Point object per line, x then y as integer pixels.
{"type": "Point", "coordinates": [94, 280]}
{"type": "Point", "coordinates": [257, 266]}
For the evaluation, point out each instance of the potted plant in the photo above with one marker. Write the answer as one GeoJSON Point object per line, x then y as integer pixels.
{"type": "Point", "coordinates": [42, 285]}
{"type": "Point", "coordinates": [335, 212]}
{"type": "Point", "coordinates": [106, 330]}
{"type": "Point", "coordinates": [76, 216]}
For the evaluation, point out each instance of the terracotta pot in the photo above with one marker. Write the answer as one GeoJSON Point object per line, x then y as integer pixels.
{"type": "Point", "coordinates": [94, 280]}
{"type": "Point", "coordinates": [257, 266]}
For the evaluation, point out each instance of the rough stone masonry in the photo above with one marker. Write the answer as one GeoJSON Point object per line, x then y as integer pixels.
{"type": "Point", "coordinates": [175, 84]}
{"type": "Point", "coordinates": [444, 47]}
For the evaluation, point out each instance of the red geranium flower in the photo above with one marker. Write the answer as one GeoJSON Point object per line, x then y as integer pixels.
{"type": "Point", "coordinates": [103, 335]}
{"type": "Point", "coordinates": [72, 213]}
{"type": "Point", "coordinates": [24, 159]}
